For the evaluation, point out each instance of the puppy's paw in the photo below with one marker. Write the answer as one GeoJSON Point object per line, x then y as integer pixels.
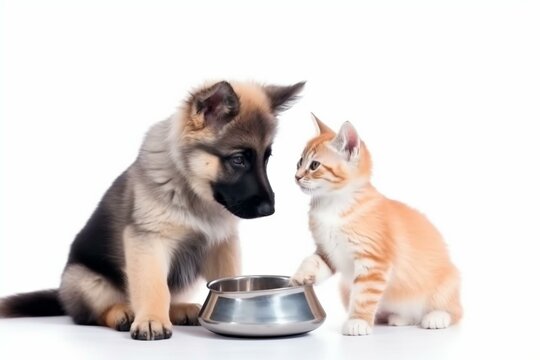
{"type": "Point", "coordinates": [303, 278]}
{"type": "Point", "coordinates": [436, 320]}
{"type": "Point", "coordinates": [150, 328]}
{"type": "Point", "coordinates": [185, 314]}
{"type": "Point", "coordinates": [356, 327]}
{"type": "Point", "coordinates": [118, 317]}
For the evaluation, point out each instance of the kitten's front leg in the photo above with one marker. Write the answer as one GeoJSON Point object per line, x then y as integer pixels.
{"type": "Point", "coordinates": [313, 270]}
{"type": "Point", "coordinates": [366, 292]}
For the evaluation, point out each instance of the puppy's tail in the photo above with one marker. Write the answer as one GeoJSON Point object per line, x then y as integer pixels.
{"type": "Point", "coordinates": [37, 303]}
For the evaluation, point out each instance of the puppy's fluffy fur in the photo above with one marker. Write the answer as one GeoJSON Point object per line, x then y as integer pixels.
{"type": "Point", "coordinates": [171, 217]}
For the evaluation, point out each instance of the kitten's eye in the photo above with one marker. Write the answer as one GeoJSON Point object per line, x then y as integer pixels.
{"type": "Point", "coordinates": [238, 160]}
{"type": "Point", "coordinates": [314, 165]}
{"type": "Point", "coordinates": [299, 163]}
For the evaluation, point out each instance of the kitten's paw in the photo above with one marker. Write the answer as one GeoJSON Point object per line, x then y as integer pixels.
{"type": "Point", "coordinates": [303, 278]}
{"type": "Point", "coordinates": [436, 320]}
{"type": "Point", "coordinates": [356, 327]}
{"type": "Point", "coordinates": [149, 328]}
{"type": "Point", "coordinates": [312, 270]}
{"type": "Point", "coordinates": [398, 320]}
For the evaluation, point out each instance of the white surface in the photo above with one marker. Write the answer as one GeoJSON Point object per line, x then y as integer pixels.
{"type": "Point", "coordinates": [445, 94]}
{"type": "Point", "coordinates": [31, 338]}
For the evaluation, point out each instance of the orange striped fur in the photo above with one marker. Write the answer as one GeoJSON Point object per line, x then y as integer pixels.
{"type": "Point", "coordinates": [394, 263]}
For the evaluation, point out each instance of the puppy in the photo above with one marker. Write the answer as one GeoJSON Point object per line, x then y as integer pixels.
{"type": "Point", "coordinates": [171, 217]}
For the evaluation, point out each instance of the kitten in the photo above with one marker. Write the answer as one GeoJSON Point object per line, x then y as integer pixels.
{"type": "Point", "coordinates": [394, 263]}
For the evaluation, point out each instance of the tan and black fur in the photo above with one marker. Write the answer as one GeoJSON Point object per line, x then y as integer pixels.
{"type": "Point", "coordinates": [171, 217]}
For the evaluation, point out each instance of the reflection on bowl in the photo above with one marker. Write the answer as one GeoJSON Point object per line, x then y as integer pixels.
{"type": "Point", "coordinates": [260, 306]}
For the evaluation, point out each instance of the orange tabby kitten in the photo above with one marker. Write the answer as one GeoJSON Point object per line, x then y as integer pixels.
{"type": "Point", "coordinates": [394, 263]}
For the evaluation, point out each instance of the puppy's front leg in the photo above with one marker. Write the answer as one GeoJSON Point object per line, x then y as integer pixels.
{"type": "Point", "coordinates": [147, 263]}
{"type": "Point", "coordinates": [223, 260]}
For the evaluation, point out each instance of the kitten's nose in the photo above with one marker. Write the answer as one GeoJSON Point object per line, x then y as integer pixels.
{"type": "Point", "coordinates": [297, 177]}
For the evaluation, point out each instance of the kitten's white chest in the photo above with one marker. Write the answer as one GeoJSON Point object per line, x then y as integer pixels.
{"type": "Point", "coordinates": [328, 234]}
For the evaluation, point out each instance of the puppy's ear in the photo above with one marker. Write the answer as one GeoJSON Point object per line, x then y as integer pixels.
{"type": "Point", "coordinates": [218, 104]}
{"type": "Point", "coordinates": [282, 97]}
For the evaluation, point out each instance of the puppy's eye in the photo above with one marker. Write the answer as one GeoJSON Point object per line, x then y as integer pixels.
{"type": "Point", "coordinates": [238, 160]}
{"type": "Point", "coordinates": [314, 165]}
{"type": "Point", "coordinates": [267, 155]}
{"type": "Point", "coordinates": [299, 163]}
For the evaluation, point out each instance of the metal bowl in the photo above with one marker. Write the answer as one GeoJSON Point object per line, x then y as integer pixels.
{"type": "Point", "coordinates": [260, 306]}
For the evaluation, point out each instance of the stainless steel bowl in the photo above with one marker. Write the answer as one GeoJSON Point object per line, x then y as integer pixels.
{"type": "Point", "coordinates": [260, 306]}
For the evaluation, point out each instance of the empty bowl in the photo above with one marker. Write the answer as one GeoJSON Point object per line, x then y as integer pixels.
{"type": "Point", "coordinates": [260, 306]}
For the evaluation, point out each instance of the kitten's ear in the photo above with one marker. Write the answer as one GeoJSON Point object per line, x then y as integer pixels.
{"type": "Point", "coordinates": [347, 141]}
{"type": "Point", "coordinates": [282, 97]}
{"type": "Point", "coordinates": [320, 126]}
{"type": "Point", "coordinates": [219, 104]}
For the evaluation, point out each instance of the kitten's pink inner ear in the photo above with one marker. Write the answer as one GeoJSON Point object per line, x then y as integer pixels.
{"type": "Point", "coordinates": [347, 140]}
{"type": "Point", "coordinates": [351, 136]}
{"type": "Point", "coordinates": [320, 126]}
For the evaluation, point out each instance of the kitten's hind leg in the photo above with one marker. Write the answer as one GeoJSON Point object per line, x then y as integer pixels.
{"type": "Point", "coordinates": [399, 320]}
{"type": "Point", "coordinates": [436, 319]}
{"type": "Point", "coordinates": [444, 306]}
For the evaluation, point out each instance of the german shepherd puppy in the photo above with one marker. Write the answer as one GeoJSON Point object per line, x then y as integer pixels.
{"type": "Point", "coordinates": [171, 217]}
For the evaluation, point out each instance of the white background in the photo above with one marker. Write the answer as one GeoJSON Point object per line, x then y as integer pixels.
{"type": "Point", "coordinates": [445, 94]}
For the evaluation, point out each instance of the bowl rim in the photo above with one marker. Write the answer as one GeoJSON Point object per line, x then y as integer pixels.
{"type": "Point", "coordinates": [293, 288]}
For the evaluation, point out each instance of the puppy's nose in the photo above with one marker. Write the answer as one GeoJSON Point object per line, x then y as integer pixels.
{"type": "Point", "coordinates": [265, 208]}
